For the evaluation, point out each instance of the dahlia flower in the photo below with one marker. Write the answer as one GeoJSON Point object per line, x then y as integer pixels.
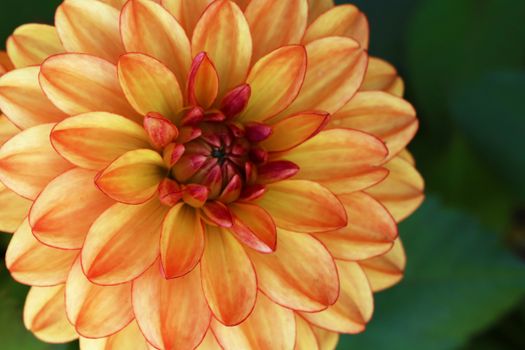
{"type": "Point", "coordinates": [199, 174]}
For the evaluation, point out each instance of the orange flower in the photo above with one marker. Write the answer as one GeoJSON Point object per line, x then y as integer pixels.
{"type": "Point", "coordinates": [238, 190]}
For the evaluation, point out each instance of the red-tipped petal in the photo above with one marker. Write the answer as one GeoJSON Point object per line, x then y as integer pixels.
{"type": "Point", "coordinates": [276, 171]}
{"type": "Point", "coordinates": [232, 191]}
{"type": "Point", "coordinates": [256, 132]}
{"type": "Point", "coordinates": [195, 195]}
{"type": "Point", "coordinates": [218, 213]}
{"type": "Point", "coordinates": [170, 192]}
{"type": "Point", "coordinates": [203, 82]}
{"type": "Point", "coordinates": [236, 100]}
{"type": "Point", "coordinates": [172, 153]}
{"type": "Point", "coordinates": [254, 227]}
{"type": "Point", "coordinates": [160, 130]}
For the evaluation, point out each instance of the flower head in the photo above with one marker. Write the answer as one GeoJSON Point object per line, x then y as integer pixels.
{"type": "Point", "coordinates": [203, 173]}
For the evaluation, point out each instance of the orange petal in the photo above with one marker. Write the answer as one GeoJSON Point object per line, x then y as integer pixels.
{"type": "Point", "coordinates": [45, 315]}
{"type": "Point", "coordinates": [22, 99]}
{"type": "Point", "coordinates": [223, 33]}
{"type": "Point", "coordinates": [353, 308]}
{"type": "Point", "coordinates": [242, 3]}
{"type": "Point", "coordinates": [209, 342]}
{"type": "Point", "coordinates": [149, 85]}
{"type": "Point", "coordinates": [344, 20]}
{"type": "Point", "coordinates": [386, 270]}
{"type": "Point", "coordinates": [254, 227]}
{"type": "Point", "coordinates": [80, 83]}
{"type": "Point", "coordinates": [270, 326]}
{"type": "Point", "coordinates": [382, 76]}
{"type": "Point", "coordinates": [337, 155]}
{"type": "Point", "coordinates": [187, 12]}
{"type": "Point", "coordinates": [182, 241]}
{"type": "Point", "coordinates": [318, 7]}
{"type": "Point", "coordinates": [228, 278]}
{"type": "Point", "coordinates": [336, 67]}
{"type": "Point", "coordinates": [32, 43]}
{"type": "Point", "coordinates": [30, 262]}
{"type": "Point", "coordinates": [148, 28]}
{"type": "Point", "coordinates": [275, 23]}
{"type": "Point", "coordinates": [294, 130]}
{"type": "Point", "coordinates": [94, 140]}
{"type": "Point", "coordinates": [7, 129]}
{"type": "Point", "coordinates": [402, 191]}
{"type": "Point", "coordinates": [327, 340]}
{"type": "Point", "coordinates": [130, 338]}
{"type": "Point", "coordinates": [63, 213]}
{"type": "Point", "coordinates": [172, 314]}
{"type": "Point", "coordinates": [203, 82]}
{"type": "Point", "coordinates": [90, 27]}
{"type": "Point", "coordinates": [96, 311]}
{"type": "Point", "coordinates": [123, 242]}
{"type": "Point", "coordinates": [305, 337]}
{"type": "Point", "coordinates": [116, 3]}
{"type": "Point", "coordinates": [134, 177]}
{"type": "Point", "coordinates": [391, 119]}
{"type": "Point", "coordinates": [5, 63]}
{"type": "Point", "coordinates": [27, 151]}
{"type": "Point", "coordinates": [287, 279]}
{"type": "Point", "coordinates": [370, 232]}
{"type": "Point", "coordinates": [275, 81]}
{"type": "Point", "coordinates": [406, 155]}
{"type": "Point", "coordinates": [14, 209]}
{"type": "Point", "coordinates": [303, 206]}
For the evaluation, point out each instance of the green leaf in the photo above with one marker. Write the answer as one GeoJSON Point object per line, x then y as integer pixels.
{"type": "Point", "coordinates": [459, 280]}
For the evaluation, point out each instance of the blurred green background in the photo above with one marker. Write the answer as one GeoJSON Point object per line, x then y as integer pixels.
{"type": "Point", "coordinates": [464, 65]}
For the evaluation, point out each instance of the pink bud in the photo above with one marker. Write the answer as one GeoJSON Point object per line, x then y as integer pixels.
{"type": "Point", "coordinates": [160, 130]}
{"type": "Point", "coordinates": [276, 171]}
{"type": "Point", "coordinates": [256, 132]}
{"type": "Point", "coordinates": [236, 100]}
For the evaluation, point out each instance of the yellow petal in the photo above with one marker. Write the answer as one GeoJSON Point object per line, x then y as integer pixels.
{"type": "Point", "coordinates": [305, 336]}
{"type": "Point", "coordinates": [27, 151]}
{"type": "Point", "coordinates": [288, 280]}
{"type": "Point", "coordinates": [130, 338]}
{"type": "Point", "coordinates": [382, 76]}
{"type": "Point", "coordinates": [23, 101]}
{"type": "Point", "coordinates": [203, 82]}
{"type": "Point", "coordinates": [254, 227]}
{"type": "Point", "coordinates": [148, 28]}
{"type": "Point", "coordinates": [33, 263]}
{"type": "Point", "coordinates": [275, 23]}
{"type": "Point", "coordinates": [318, 7]}
{"type": "Point", "coordinates": [386, 270]}
{"type": "Point", "coordinates": [45, 315]}
{"type": "Point", "coordinates": [209, 342]}
{"type": "Point", "coordinates": [80, 83]}
{"type": "Point", "coordinates": [7, 129]}
{"type": "Point", "coordinates": [343, 20]}
{"type": "Point", "coordinates": [32, 43]}
{"type": "Point", "coordinates": [14, 209]}
{"type": "Point", "coordinates": [90, 27]}
{"type": "Point", "coordinates": [327, 340]}
{"type": "Point", "coordinates": [149, 85]}
{"type": "Point", "coordinates": [223, 33]}
{"type": "Point", "coordinates": [275, 81]}
{"type": "Point", "coordinates": [187, 12]}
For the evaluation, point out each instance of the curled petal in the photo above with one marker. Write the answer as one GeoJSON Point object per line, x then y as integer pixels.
{"type": "Point", "coordinates": [90, 27]}
{"type": "Point", "coordinates": [382, 76]}
{"type": "Point", "coordinates": [289, 281]}
{"type": "Point", "coordinates": [203, 82]}
{"type": "Point", "coordinates": [386, 270]}
{"type": "Point", "coordinates": [33, 263]}
{"type": "Point", "coordinates": [45, 315]}
{"type": "Point", "coordinates": [160, 130]}
{"type": "Point", "coordinates": [254, 227]}
{"type": "Point", "coordinates": [32, 43]}
{"type": "Point", "coordinates": [170, 192]}
{"type": "Point", "coordinates": [228, 278]}
{"type": "Point", "coordinates": [130, 338]}
{"type": "Point", "coordinates": [14, 209]}
{"type": "Point", "coordinates": [303, 206]}
{"type": "Point", "coordinates": [182, 316]}
{"type": "Point", "coordinates": [27, 151]}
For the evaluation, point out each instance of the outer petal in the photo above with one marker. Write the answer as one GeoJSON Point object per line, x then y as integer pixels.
{"type": "Point", "coordinates": [344, 20]}
{"type": "Point", "coordinates": [172, 314]}
{"type": "Point", "coordinates": [318, 7]}
{"type": "Point", "coordinates": [354, 307]}
{"type": "Point", "coordinates": [130, 338]}
{"type": "Point", "coordinates": [187, 12]}
{"type": "Point", "coordinates": [94, 140]}
{"type": "Point", "coordinates": [123, 242]}
{"type": "Point", "coordinates": [254, 227]}
{"type": "Point", "coordinates": [270, 326]}
{"type": "Point", "coordinates": [7, 129]}
{"type": "Point", "coordinates": [45, 315]}
{"type": "Point", "coordinates": [22, 99]}
{"type": "Point", "coordinates": [90, 27]}
{"type": "Point", "coordinates": [275, 23]}
{"type": "Point", "coordinates": [382, 76]}
{"type": "Point", "coordinates": [402, 191]}
{"type": "Point", "coordinates": [387, 117]}
{"type": "Point", "coordinates": [336, 67]}
{"type": "Point", "coordinates": [288, 280]}
{"type": "Point", "coordinates": [96, 311]}
{"type": "Point", "coordinates": [63, 213]}
{"type": "Point", "coordinates": [228, 278]}
{"type": "Point", "coordinates": [209, 342]}
{"type": "Point", "coordinates": [275, 81]}
{"type": "Point", "coordinates": [303, 206]}
{"type": "Point", "coordinates": [148, 28]}
{"type": "Point", "coordinates": [134, 177]}
{"type": "Point", "coordinates": [27, 151]}
{"type": "Point", "coordinates": [371, 230]}
{"type": "Point", "coordinates": [338, 155]}
{"type": "Point", "coordinates": [149, 85]}
{"type": "Point", "coordinates": [223, 33]}
{"type": "Point", "coordinates": [14, 209]}
{"type": "Point", "coordinates": [305, 337]}
{"type": "Point", "coordinates": [30, 262]}
{"type": "Point", "coordinates": [386, 270]}
{"type": "Point", "coordinates": [327, 340]}
{"type": "Point", "coordinates": [182, 241]}
{"type": "Point", "coordinates": [32, 43]}
{"type": "Point", "coordinates": [80, 83]}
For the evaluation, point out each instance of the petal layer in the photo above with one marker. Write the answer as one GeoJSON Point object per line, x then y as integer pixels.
{"type": "Point", "coordinates": [32, 43]}
{"type": "Point", "coordinates": [14, 209]}
{"type": "Point", "coordinates": [130, 338]}
{"type": "Point", "coordinates": [382, 76]}
{"type": "Point", "coordinates": [187, 12]}
{"type": "Point", "coordinates": [386, 270]}
{"type": "Point", "coordinates": [254, 227]}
